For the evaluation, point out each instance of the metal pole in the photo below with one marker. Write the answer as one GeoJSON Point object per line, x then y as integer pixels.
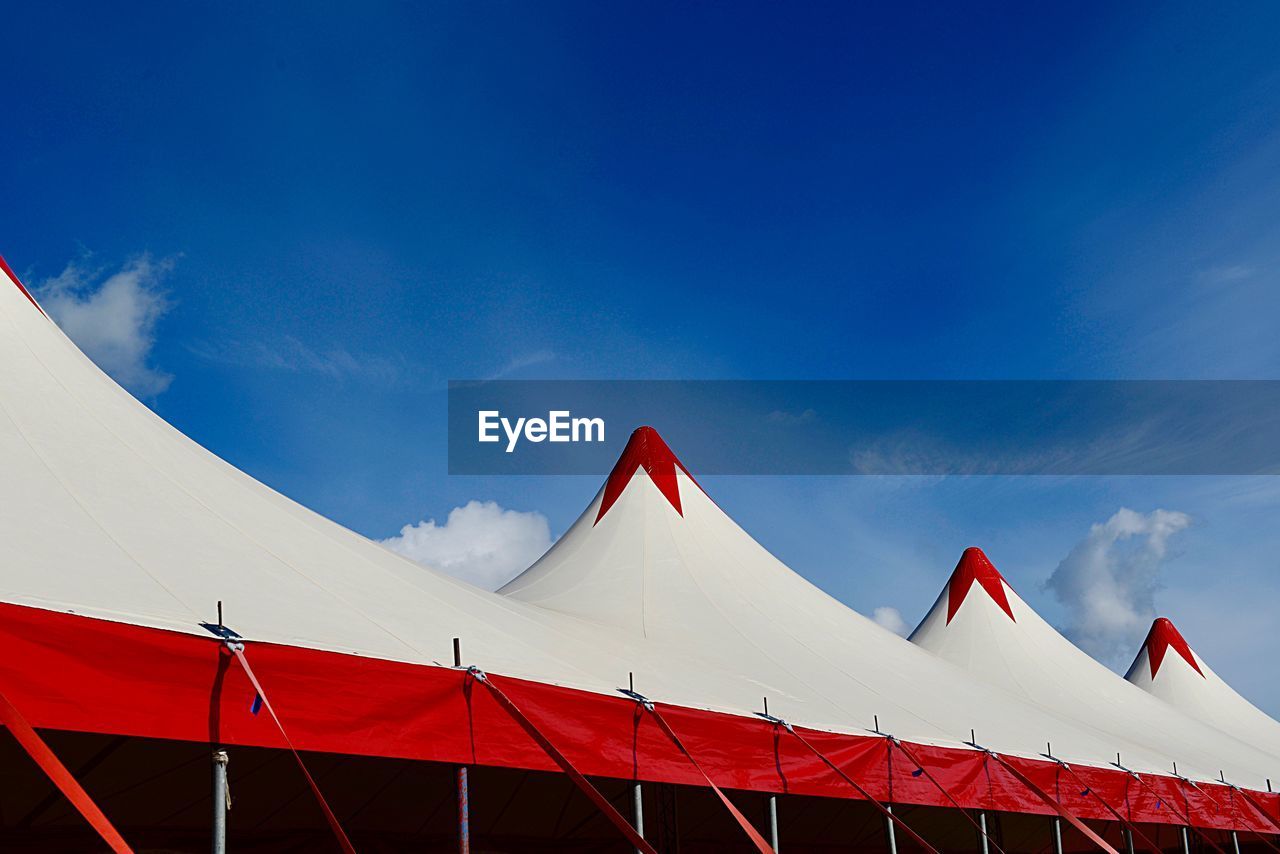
{"type": "Point", "coordinates": [1186, 842]}
{"type": "Point", "coordinates": [1235, 842]}
{"type": "Point", "coordinates": [464, 812]}
{"type": "Point", "coordinates": [638, 810]}
{"type": "Point", "coordinates": [1128, 840]}
{"type": "Point", "coordinates": [1057, 836]}
{"type": "Point", "coordinates": [982, 823]}
{"type": "Point", "coordinates": [221, 802]}
{"type": "Point", "coordinates": [463, 784]}
{"type": "Point", "coordinates": [773, 821]}
{"type": "Point", "coordinates": [889, 831]}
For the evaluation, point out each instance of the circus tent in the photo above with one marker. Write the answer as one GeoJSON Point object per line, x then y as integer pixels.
{"type": "Point", "coordinates": [1168, 668]}
{"type": "Point", "coordinates": [156, 603]}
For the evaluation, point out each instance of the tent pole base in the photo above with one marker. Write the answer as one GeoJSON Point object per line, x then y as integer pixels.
{"type": "Point", "coordinates": [637, 795]}
{"type": "Point", "coordinates": [464, 811]}
{"type": "Point", "coordinates": [221, 802]}
{"type": "Point", "coordinates": [773, 822]}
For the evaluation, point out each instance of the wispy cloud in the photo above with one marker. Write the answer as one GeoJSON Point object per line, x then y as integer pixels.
{"type": "Point", "coordinates": [113, 319]}
{"type": "Point", "coordinates": [1226, 274]}
{"type": "Point", "coordinates": [1108, 581]}
{"type": "Point", "coordinates": [292, 355]}
{"type": "Point", "coordinates": [781, 416]}
{"type": "Point", "coordinates": [891, 619]}
{"type": "Point", "coordinates": [519, 363]}
{"type": "Point", "coordinates": [480, 542]}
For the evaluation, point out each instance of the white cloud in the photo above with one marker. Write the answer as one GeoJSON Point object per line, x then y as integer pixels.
{"type": "Point", "coordinates": [522, 361]}
{"type": "Point", "coordinates": [1226, 274]}
{"type": "Point", "coordinates": [1109, 580]}
{"type": "Point", "coordinates": [113, 320]}
{"type": "Point", "coordinates": [480, 543]}
{"type": "Point", "coordinates": [781, 416]}
{"type": "Point", "coordinates": [294, 356]}
{"type": "Point", "coordinates": [891, 619]}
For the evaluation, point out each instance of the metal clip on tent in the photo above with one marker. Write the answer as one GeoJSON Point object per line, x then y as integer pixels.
{"type": "Point", "coordinates": [638, 697]}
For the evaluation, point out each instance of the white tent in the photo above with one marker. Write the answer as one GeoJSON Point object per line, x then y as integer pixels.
{"type": "Point", "coordinates": [121, 536]}
{"type": "Point", "coordinates": [1167, 667]}
{"type": "Point", "coordinates": [660, 559]}
{"type": "Point", "coordinates": [980, 623]}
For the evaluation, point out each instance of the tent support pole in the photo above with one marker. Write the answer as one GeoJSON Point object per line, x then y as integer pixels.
{"type": "Point", "coordinates": [464, 811]}
{"type": "Point", "coordinates": [221, 802]}
{"type": "Point", "coordinates": [462, 784]}
{"type": "Point", "coordinates": [1235, 842]}
{"type": "Point", "coordinates": [982, 823]}
{"type": "Point", "coordinates": [889, 831]}
{"type": "Point", "coordinates": [637, 795]}
{"type": "Point", "coordinates": [773, 821]}
{"type": "Point", "coordinates": [1128, 840]}
{"type": "Point", "coordinates": [1186, 842]}
{"type": "Point", "coordinates": [1057, 836]}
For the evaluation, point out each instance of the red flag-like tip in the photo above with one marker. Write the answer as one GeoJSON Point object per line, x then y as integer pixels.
{"type": "Point", "coordinates": [1163, 635]}
{"type": "Point", "coordinates": [8, 271]}
{"type": "Point", "coordinates": [645, 450]}
{"type": "Point", "coordinates": [974, 566]}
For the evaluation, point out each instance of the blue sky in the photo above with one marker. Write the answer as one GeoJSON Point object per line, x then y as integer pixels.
{"type": "Point", "coordinates": [340, 210]}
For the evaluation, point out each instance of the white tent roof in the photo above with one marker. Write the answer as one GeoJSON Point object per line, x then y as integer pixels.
{"type": "Point", "coordinates": [1169, 668]}
{"type": "Point", "coordinates": [981, 624]}
{"type": "Point", "coordinates": [665, 561]}
{"type": "Point", "coordinates": [111, 513]}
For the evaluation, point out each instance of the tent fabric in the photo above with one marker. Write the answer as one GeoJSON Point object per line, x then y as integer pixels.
{"type": "Point", "coordinates": [82, 674]}
{"type": "Point", "coordinates": [980, 623]}
{"type": "Point", "coordinates": [1168, 668]}
{"type": "Point", "coordinates": [121, 536]}
{"type": "Point", "coordinates": [694, 577]}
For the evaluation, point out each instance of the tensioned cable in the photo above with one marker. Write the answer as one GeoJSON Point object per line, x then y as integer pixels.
{"type": "Point", "coordinates": [1185, 817]}
{"type": "Point", "coordinates": [43, 755]}
{"type": "Point", "coordinates": [596, 797]}
{"type": "Point", "coordinates": [1089, 790]}
{"type": "Point", "coordinates": [1051, 801]}
{"type": "Point", "coordinates": [894, 742]}
{"type": "Point", "coordinates": [884, 810]}
{"type": "Point", "coordinates": [747, 827]}
{"type": "Point", "coordinates": [344, 842]}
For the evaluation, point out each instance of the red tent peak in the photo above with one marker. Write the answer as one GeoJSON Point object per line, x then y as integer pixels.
{"type": "Point", "coordinates": [975, 566]}
{"type": "Point", "coordinates": [8, 271]}
{"type": "Point", "coordinates": [1163, 635]}
{"type": "Point", "coordinates": [645, 450]}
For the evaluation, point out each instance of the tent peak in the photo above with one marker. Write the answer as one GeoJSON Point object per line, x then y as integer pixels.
{"type": "Point", "coordinates": [645, 450]}
{"type": "Point", "coordinates": [13, 277]}
{"type": "Point", "coordinates": [975, 566]}
{"type": "Point", "coordinates": [1163, 635]}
